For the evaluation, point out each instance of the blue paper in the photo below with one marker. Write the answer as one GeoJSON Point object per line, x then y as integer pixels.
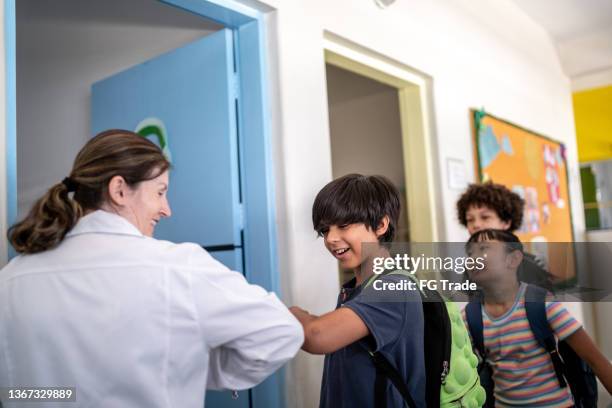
{"type": "Point", "coordinates": [488, 146]}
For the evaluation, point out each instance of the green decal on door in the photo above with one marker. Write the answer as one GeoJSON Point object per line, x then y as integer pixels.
{"type": "Point", "coordinates": [154, 127]}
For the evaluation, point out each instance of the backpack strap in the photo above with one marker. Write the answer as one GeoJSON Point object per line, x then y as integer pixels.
{"type": "Point", "coordinates": [473, 313]}
{"type": "Point", "coordinates": [384, 369]}
{"type": "Point", "coordinates": [535, 308]}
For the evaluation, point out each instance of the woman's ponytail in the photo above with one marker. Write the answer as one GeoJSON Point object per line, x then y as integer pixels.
{"type": "Point", "coordinates": [48, 222]}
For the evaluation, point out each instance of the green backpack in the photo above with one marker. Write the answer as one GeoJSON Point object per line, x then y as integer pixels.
{"type": "Point", "coordinates": [451, 366]}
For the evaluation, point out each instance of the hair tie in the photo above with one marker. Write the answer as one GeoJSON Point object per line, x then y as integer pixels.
{"type": "Point", "coordinates": [70, 184]}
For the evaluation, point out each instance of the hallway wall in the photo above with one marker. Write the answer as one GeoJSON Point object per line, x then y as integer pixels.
{"type": "Point", "coordinates": [477, 53]}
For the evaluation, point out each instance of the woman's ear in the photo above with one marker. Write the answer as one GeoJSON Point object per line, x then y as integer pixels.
{"type": "Point", "coordinates": [383, 226]}
{"type": "Point", "coordinates": [117, 190]}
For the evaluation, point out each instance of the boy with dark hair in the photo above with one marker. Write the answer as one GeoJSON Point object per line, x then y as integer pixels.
{"type": "Point", "coordinates": [375, 342]}
{"type": "Point", "coordinates": [354, 214]}
{"type": "Point", "coordinates": [494, 206]}
{"type": "Point", "coordinates": [519, 332]}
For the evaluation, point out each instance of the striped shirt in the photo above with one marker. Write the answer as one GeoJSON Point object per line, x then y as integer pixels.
{"type": "Point", "coordinates": [522, 370]}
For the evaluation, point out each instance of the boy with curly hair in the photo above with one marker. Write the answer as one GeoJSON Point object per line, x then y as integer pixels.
{"type": "Point", "coordinates": [490, 205]}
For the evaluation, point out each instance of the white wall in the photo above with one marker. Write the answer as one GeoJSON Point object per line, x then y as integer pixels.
{"type": "Point", "coordinates": [596, 79]}
{"type": "Point", "coordinates": [478, 53]}
{"type": "Point", "coordinates": [63, 46]}
{"type": "Point", "coordinates": [589, 60]}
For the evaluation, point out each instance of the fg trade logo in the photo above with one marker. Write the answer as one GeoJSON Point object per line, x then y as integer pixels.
{"type": "Point", "coordinates": [154, 130]}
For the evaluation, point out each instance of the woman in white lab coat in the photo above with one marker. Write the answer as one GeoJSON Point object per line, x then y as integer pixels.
{"type": "Point", "coordinates": [95, 303]}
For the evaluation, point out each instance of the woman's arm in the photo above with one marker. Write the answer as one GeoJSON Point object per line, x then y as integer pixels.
{"type": "Point", "coordinates": [250, 333]}
{"type": "Point", "coordinates": [582, 344]}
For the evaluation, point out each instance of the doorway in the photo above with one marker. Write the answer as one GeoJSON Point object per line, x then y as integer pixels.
{"type": "Point", "coordinates": [366, 132]}
{"type": "Point", "coordinates": [366, 135]}
{"type": "Point", "coordinates": [380, 123]}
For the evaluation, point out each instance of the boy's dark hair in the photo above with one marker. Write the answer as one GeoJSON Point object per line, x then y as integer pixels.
{"type": "Point", "coordinates": [356, 198]}
{"type": "Point", "coordinates": [511, 241]}
{"type": "Point", "coordinates": [507, 204]}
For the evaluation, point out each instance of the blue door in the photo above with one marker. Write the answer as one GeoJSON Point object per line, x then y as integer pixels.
{"type": "Point", "coordinates": [185, 100]}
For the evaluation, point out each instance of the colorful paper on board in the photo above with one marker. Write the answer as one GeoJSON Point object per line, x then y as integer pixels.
{"type": "Point", "coordinates": [488, 146]}
{"type": "Point", "coordinates": [533, 158]}
{"type": "Point", "coordinates": [507, 145]}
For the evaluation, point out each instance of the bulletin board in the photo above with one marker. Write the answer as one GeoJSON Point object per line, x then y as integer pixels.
{"type": "Point", "coordinates": [535, 167]}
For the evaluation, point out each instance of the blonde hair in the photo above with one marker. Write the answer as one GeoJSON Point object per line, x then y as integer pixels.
{"type": "Point", "coordinates": [111, 153]}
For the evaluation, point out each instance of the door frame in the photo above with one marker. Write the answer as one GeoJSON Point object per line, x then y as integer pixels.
{"type": "Point", "coordinates": [8, 162]}
{"type": "Point", "coordinates": [418, 144]}
{"type": "Point", "coordinates": [254, 138]}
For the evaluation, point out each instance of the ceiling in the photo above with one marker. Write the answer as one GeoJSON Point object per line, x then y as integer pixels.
{"type": "Point", "coordinates": [580, 29]}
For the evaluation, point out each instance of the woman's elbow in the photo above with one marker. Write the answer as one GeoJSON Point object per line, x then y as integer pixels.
{"type": "Point", "coordinates": [297, 333]}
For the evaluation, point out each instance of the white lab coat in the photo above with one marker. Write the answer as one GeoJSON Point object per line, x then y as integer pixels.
{"type": "Point", "coordinates": [132, 321]}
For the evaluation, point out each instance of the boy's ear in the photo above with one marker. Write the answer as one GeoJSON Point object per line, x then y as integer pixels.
{"type": "Point", "coordinates": [506, 225]}
{"type": "Point", "coordinates": [383, 226]}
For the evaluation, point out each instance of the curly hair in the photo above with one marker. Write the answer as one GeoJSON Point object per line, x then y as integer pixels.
{"type": "Point", "coordinates": [507, 204]}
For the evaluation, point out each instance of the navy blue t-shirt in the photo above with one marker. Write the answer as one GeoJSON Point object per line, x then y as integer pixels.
{"type": "Point", "coordinates": [395, 322]}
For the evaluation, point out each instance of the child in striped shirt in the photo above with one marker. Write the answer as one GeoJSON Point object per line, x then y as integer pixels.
{"type": "Point", "coordinates": [522, 370]}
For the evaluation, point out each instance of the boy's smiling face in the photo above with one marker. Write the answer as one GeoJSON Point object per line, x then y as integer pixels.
{"type": "Point", "coordinates": [344, 242]}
